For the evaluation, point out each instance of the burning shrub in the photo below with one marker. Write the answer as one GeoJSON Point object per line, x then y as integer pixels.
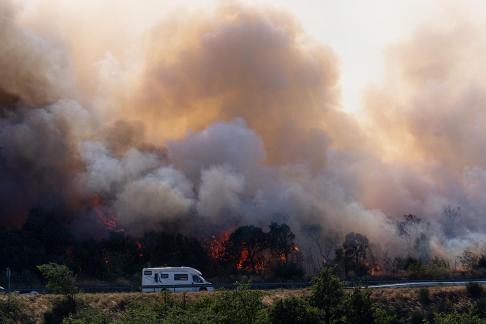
{"type": "Point", "coordinates": [250, 249]}
{"type": "Point", "coordinates": [245, 247]}
{"type": "Point", "coordinates": [355, 257]}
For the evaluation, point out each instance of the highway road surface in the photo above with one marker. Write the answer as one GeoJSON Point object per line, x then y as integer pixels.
{"type": "Point", "coordinates": [426, 284]}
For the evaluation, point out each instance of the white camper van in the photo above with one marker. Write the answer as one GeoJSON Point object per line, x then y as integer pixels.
{"type": "Point", "coordinates": [175, 279]}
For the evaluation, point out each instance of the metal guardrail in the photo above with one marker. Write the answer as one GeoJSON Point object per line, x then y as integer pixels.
{"type": "Point", "coordinates": [278, 285]}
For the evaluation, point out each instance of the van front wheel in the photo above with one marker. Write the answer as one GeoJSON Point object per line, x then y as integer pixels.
{"type": "Point", "coordinates": [203, 289]}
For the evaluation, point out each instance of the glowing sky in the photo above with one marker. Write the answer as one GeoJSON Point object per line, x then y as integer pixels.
{"type": "Point", "coordinates": [358, 31]}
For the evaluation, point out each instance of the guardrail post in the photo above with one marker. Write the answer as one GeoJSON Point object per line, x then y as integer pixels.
{"type": "Point", "coordinates": [9, 275]}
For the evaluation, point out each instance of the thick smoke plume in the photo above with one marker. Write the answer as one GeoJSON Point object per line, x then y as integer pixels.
{"type": "Point", "coordinates": [212, 120]}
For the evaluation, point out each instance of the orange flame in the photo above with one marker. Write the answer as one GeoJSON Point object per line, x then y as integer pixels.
{"type": "Point", "coordinates": [375, 270]}
{"type": "Point", "coordinates": [139, 246]}
{"type": "Point", "coordinates": [105, 215]}
{"type": "Point", "coordinates": [216, 245]}
{"type": "Point", "coordinates": [243, 258]}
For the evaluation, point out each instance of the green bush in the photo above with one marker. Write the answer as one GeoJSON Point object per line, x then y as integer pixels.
{"type": "Point", "coordinates": [474, 290]}
{"type": "Point", "coordinates": [382, 316]}
{"type": "Point", "coordinates": [12, 311]}
{"type": "Point", "coordinates": [424, 296]}
{"type": "Point", "coordinates": [417, 317]}
{"type": "Point", "coordinates": [359, 307]}
{"type": "Point", "coordinates": [59, 278]}
{"type": "Point", "coordinates": [328, 295]}
{"type": "Point", "coordinates": [237, 306]}
{"type": "Point", "coordinates": [480, 308]}
{"type": "Point", "coordinates": [191, 315]}
{"type": "Point", "coordinates": [142, 310]}
{"type": "Point", "coordinates": [60, 310]}
{"type": "Point", "coordinates": [88, 315]}
{"type": "Point", "coordinates": [293, 310]}
{"type": "Point", "coordinates": [458, 318]}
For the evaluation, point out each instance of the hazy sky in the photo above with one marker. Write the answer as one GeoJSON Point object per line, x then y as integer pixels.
{"type": "Point", "coordinates": [358, 31]}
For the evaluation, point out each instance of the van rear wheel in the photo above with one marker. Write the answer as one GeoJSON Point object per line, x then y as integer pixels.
{"type": "Point", "coordinates": [203, 289]}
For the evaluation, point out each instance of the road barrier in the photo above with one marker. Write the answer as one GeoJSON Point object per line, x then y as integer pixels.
{"type": "Point", "coordinates": [278, 285]}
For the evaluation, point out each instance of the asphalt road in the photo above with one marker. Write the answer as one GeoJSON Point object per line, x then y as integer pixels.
{"type": "Point", "coordinates": [426, 284]}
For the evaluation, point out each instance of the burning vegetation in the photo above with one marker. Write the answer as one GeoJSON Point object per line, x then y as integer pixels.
{"type": "Point", "coordinates": [250, 249]}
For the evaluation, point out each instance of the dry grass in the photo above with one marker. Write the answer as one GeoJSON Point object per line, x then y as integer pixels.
{"type": "Point", "coordinates": [401, 300]}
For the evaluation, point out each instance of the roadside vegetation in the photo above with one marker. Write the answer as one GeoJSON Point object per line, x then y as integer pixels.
{"type": "Point", "coordinates": [325, 302]}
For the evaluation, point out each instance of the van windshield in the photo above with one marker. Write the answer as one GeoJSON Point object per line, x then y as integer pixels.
{"type": "Point", "coordinates": [197, 279]}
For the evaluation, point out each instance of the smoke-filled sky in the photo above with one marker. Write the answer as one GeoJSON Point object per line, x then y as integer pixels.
{"type": "Point", "coordinates": [204, 115]}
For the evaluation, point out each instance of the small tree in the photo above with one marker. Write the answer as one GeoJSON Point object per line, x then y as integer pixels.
{"type": "Point", "coordinates": [59, 278]}
{"type": "Point", "coordinates": [328, 294]}
{"type": "Point", "coordinates": [293, 310]}
{"type": "Point", "coordinates": [281, 241]}
{"type": "Point", "coordinates": [469, 260]}
{"type": "Point", "coordinates": [356, 248]}
{"type": "Point", "coordinates": [360, 308]}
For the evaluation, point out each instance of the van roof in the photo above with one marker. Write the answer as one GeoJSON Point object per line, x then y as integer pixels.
{"type": "Point", "coordinates": [175, 269]}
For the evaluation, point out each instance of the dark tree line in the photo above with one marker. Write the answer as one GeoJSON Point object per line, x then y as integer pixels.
{"type": "Point", "coordinates": [46, 237]}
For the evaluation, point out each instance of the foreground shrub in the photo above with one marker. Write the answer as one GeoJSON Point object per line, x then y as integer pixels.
{"type": "Point", "coordinates": [458, 318]}
{"type": "Point", "coordinates": [480, 308]}
{"type": "Point", "coordinates": [143, 310]}
{"type": "Point", "coordinates": [424, 296]}
{"type": "Point", "coordinates": [328, 295]}
{"type": "Point", "coordinates": [60, 310]}
{"type": "Point", "coordinates": [359, 307]}
{"type": "Point", "coordinates": [88, 315]}
{"type": "Point", "coordinates": [417, 317]}
{"type": "Point", "coordinates": [12, 311]}
{"type": "Point", "coordinates": [293, 310]}
{"type": "Point", "coordinates": [237, 306]}
{"type": "Point", "coordinates": [382, 316]}
{"type": "Point", "coordinates": [474, 290]}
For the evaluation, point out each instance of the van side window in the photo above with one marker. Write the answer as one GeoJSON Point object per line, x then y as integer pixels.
{"type": "Point", "coordinates": [181, 276]}
{"type": "Point", "coordinates": [196, 279]}
{"type": "Point", "coordinates": [156, 277]}
{"type": "Point", "coordinates": [164, 276]}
